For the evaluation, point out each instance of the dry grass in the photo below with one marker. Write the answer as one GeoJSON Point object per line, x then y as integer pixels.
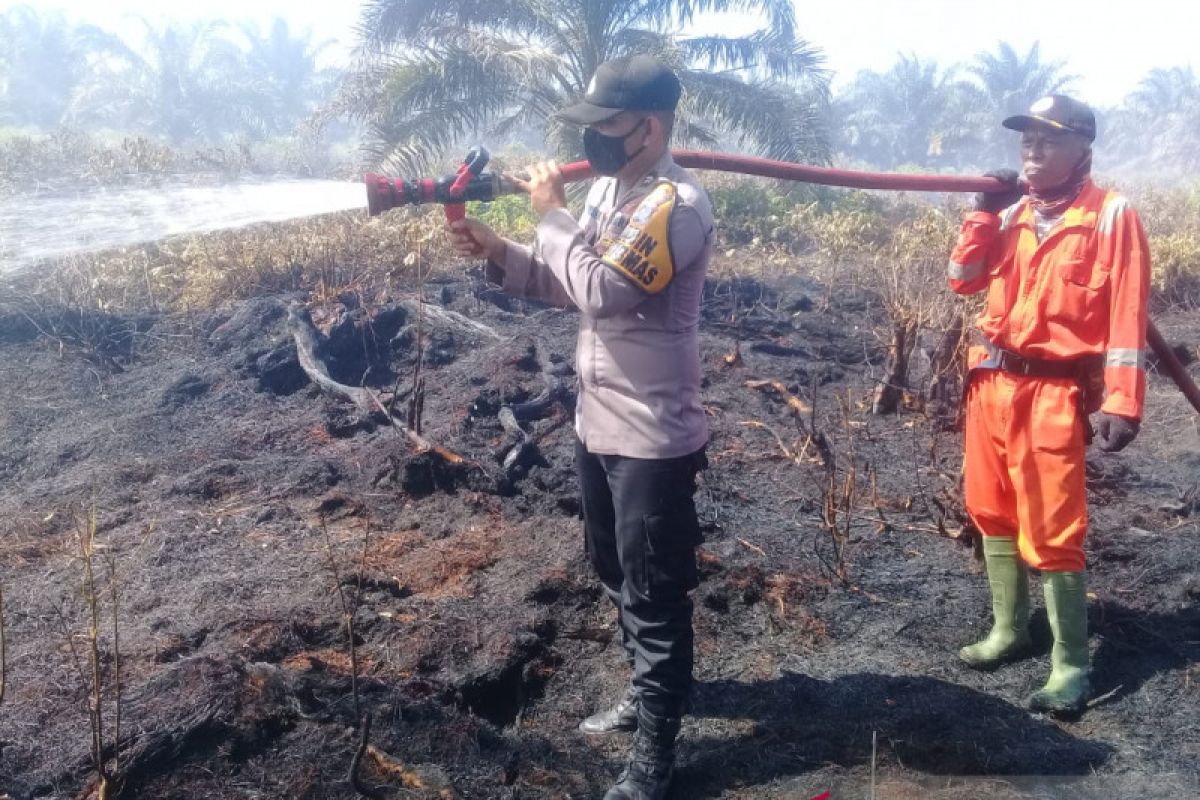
{"type": "Point", "coordinates": [29, 538]}
{"type": "Point", "coordinates": [1171, 217]}
{"type": "Point", "coordinates": [325, 256]}
{"type": "Point", "coordinates": [332, 660]}
{"type": "Point", "coordinates": [3, 651]}
{"type": "Point", "coordinates": [442, 568]}
{"type": "Point", "coordinates": [75, 157]}
{"type": "Point", "coordinates": [96, 658]}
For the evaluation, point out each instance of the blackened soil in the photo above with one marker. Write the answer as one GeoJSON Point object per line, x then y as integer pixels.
{"type": "Point", "coordinates": [233, 500]}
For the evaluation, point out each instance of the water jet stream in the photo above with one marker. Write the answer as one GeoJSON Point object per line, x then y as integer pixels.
{"type": "Point", "coordinates": [60, 223]}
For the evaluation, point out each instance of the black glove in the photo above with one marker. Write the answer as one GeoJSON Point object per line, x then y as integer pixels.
{"type": "Point", "coordinates": [995, 202]}
{"type": "Point", "coordinates": [1113, 432]}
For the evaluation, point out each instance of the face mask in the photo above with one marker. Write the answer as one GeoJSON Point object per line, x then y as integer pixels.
{"type": "Point", "coordinates": [607, 154]}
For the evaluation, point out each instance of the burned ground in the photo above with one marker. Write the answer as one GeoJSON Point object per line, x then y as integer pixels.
{"type": "Point", "coordinates": [230, 492]}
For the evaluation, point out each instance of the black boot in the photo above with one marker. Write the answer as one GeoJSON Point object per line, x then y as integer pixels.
{"type": "Point", "coordinates": [647, 776]}
{"type": "Point", "coordinates": [621, 717]}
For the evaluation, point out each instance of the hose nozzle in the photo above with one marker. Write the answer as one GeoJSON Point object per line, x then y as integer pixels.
{"type": "Point", "coordinates": [469, 183]}
{"type": "Point", "coordinates": [384, 193]}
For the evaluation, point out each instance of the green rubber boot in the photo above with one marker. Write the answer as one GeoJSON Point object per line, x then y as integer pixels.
{"type": "Point", "coordinates": [1009, 581]}
{"type": "Point", "coordinates": [1066, 692]}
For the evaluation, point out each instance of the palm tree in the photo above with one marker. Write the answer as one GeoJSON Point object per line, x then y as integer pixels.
{"type": "Point", "coordinates": [910, 115]}
{"type": "Point", "coordinates": [187, 82]}
{"type": "Point", "coordinates": [1154, 131]}
{"type": "Point", "coordinates": [43, 59]}
{"type": "Point", "coordinates": [429, 74]}
{"type": "Point", "coordinates": [283, 68]}
{"type": "Point", "coordinates": [1008, 84]}
{"type": "Point", "coordinates": [1164, 91]}
{"type": "Point", "coordinates": [1012, 82]}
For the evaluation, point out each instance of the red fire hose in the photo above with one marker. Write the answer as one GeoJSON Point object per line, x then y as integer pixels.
{"type": "Point", "coordinates": [1172, 366]}
{"type": "Point", "coordinates": [471, 183]}
{"type": "Point", "coordinates": [826, 176]}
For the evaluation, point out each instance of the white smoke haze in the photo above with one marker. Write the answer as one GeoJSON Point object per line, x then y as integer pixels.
{"type": "Point", "coordinates": [919, 85]}
{"type": "Point", "coordinates": [1108, 46]}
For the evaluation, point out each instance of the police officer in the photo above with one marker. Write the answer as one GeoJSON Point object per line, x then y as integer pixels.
{"type": "Point", "coordinates": [1066, 269]}
{"type": "Point", "coordinates": [633, 264]}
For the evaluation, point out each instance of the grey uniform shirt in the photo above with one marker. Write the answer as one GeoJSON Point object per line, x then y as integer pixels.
{"type": "Point", "coordinates": [638, 354]}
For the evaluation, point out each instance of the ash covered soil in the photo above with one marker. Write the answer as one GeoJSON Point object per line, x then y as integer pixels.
{"type": "Point", "coordinates": [225, 485]}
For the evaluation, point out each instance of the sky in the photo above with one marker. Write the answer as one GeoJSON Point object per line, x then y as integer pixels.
{"type": "Point", "coordinates": [1110, 46]}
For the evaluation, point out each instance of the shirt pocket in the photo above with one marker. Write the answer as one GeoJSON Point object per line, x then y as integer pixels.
{"type": "Point", "coordinates": [1077, 266]}
{"type": "Point", "coordinates": [1085, 273]}
{"type": "Point", "coordinates": [1079, 286]}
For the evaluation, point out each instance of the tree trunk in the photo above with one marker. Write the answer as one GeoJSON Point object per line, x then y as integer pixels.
{"type": "Point", "coordinates": [888, 391]}
{"type": "Point", "coordinates": [946, 380]}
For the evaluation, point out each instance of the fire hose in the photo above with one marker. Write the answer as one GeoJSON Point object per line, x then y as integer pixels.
{"type": "Point", "coordinates": [471, 183]}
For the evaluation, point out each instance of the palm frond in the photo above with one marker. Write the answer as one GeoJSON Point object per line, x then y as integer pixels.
{"type": "Point", "coordinates": [458, 92]}
{"type": "Point", "coordinates": [761, 54]}
{"type": "Point", "coordinates": [780, 14]}
{"type": "Point", "coordinates": [511, 64]}
{"type": "Point", "coordinates": [630, 41]}
{"type": "Point", "coordinates": [388, 22]}
{"type": "Point", "coordinates": [406, 148]}
{"type": "Point", "coordinates": [782, 123]}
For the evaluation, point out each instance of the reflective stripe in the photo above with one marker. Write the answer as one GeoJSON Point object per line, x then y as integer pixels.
{"type": "Point", "coordinates": [1125, 357]}
{"type": "Point", "coordinates": [1112, 209]}
{"type": "Point", "coordinates": [1011, 212]}
{"type": "Point", "coordinates": [964, 272]}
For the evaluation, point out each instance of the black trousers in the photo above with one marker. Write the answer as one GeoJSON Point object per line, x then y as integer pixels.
{"type": "Point", "coordinates": [641, 533]}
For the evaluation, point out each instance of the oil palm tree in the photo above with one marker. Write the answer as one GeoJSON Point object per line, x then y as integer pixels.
{"type": "Point", "coordinates": [1154, 131]}
{"type": "Point", "coordinates": [43, 59]}
{"type": "Point", "coordinates": [1009, 83]}
{"type": "Point", "coordinates": [283, 68]}
{"type": "Point", "coordinates": [186, 82]}
{"type": "Point", "coordinates": [910, 115]}
{"type": "Point", "coordinates": [431, 73]}
{"type": "Point", "coordinates": [1164, 90]}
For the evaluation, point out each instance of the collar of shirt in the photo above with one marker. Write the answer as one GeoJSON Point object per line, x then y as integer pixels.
{"type": "Point", "coordinates": [1083, 210]}
{"type": "Point", "coordinates": [1043, 224]}
{"type": "Point", "coordinates": [657, 169]}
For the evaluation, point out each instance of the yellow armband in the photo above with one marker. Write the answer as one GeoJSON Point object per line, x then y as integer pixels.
{"type": "Point", "coordinates": [642, 251]}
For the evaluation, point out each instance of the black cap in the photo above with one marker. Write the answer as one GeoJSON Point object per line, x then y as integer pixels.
{"type": "Point", "coordinates": [1060, 112]}
{"type": "Point", "coordinates": [632, 83]}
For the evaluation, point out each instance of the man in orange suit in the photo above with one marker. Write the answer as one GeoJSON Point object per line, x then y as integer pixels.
{"type": "Point", "coordinates": [1066, 270]}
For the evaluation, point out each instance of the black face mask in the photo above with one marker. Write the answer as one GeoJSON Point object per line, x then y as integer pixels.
{"type": "Point", "coordinates": [607, 154]}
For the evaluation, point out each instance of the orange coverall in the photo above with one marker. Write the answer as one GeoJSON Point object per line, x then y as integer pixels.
{"type": "Point", "coordinates": [1081, 291]}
